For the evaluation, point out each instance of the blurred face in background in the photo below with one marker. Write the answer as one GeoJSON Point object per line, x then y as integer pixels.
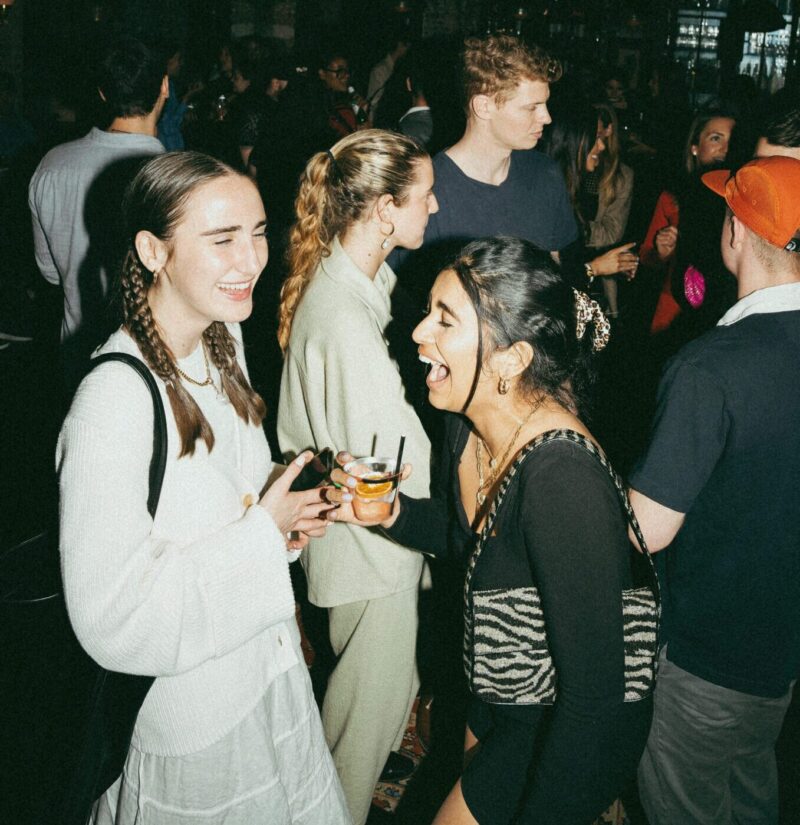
{"type": "Point", "coordinates": [593, 158]}
{"type": "Point", "coordinates": [336, 75]}
{"type": "Point", "coordinates": [615, 91]}
{"type": "Point", "coordinates": [240, 83]}
{"type": "Point", "coordinates": [712, 145]}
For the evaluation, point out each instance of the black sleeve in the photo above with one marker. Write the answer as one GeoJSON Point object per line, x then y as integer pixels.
{"type": "Point", "coordinates": [573, 259]}
{"type": "Point", "coordinates": [575, 536]}
{"type": "Point", "coordinates": [424, 524]}
{"type": "Point", "coordinates": [688, 438]}
{"type": "Point", "coordinates": [421, 525]}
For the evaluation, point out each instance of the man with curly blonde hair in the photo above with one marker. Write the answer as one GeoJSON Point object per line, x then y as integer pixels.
{"type": "Point", "coordinates": [490, 182]}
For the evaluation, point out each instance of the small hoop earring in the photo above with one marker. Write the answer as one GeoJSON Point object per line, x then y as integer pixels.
{"type": "Point", "coordinates": [385, 242]}
{"type": "Point", "coordinates": [502, 386]}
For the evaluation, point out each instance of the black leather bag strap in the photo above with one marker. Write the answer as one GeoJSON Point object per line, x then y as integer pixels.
{"type": "Point", "coordinates": [158, 461]}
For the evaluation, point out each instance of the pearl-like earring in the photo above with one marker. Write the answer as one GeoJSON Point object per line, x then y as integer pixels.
{"type": "Point", "coordinates": [385, 242]}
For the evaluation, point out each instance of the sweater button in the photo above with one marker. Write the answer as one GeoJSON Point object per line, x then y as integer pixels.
{"type": "Point", "coordinates": [249, 500]}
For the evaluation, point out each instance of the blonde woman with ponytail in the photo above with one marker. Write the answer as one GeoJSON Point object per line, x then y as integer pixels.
{"type": "Point", "coordinates": [372, 192]}
{"type": "Point", "coordinates": [200, 595]}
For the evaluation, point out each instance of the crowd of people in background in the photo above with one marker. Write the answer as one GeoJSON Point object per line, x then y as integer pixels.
{"type": "Point", "coordinates": [494, 265]}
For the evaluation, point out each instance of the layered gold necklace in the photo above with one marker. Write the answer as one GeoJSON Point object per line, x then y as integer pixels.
{"type": "Point", "coordinates": [208, 380]}
{"type": "Point", "coordinates": [496, 465]}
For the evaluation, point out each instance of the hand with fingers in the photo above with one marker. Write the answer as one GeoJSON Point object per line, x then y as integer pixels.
{"type": "Point", "coordinates": [617, 261]}
{"type": "Point", "coordinates": [666, 241]}
{"type": "Point", "coordinates": [301, 514]}
{"type": "Point", "coordinates": [344, 490]}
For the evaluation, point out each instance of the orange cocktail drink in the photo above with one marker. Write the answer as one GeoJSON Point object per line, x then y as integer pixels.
{"type": "Point", "coordinates": [376, 480]}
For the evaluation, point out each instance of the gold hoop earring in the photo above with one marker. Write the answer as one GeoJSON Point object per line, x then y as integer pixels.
{"type": "Point", "coordinates": [502, 386]}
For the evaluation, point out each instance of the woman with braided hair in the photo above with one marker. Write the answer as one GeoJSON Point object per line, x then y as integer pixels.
{"type": "Point", "coordinates": [340, 388]}
{"type": "Point", "coordinates": [199, 595]}
{"type": "Point", "coordinates": [559, 644]}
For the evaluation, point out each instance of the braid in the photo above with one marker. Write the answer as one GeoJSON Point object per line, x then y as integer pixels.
{"type": "Point", "coordinates": [309, 238]}
{"type": "Point", "coordinates": [336, 190]}
{"type": "Point", "coordinates": [246, 401]}
{"type": "Point", "coordinates": [135, 282]}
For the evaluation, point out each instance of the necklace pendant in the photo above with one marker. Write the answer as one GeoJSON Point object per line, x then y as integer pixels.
{"type": "Point", "coordinates": [481, 499]}
{"type": "Point", "coordinates": [492, 463]}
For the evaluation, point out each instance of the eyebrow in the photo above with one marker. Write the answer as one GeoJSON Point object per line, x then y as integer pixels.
{"type": "Point", "coordinates": [443, 306]}
{"type": "Point", "coordinates": [226, 229]}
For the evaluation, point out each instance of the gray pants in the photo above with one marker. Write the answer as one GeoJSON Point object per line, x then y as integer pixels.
{"type": "Point", "coordinates": [710, 756]}
{"type": "Point", "coordinates": [371, 690]}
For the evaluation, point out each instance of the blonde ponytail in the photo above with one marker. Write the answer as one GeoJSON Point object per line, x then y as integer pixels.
{"type": "Point", "coordinates": [336, 189]}
{"type": "Point", "coordinates": [309, 239]}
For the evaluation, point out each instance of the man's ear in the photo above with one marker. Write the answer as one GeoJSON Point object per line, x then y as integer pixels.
{"type": "Point", "coordinates": [738, 231]}
{"type": "Point", "coordinates": [152, 251]}
{"type": "Point", "coordinates": [481, 106]}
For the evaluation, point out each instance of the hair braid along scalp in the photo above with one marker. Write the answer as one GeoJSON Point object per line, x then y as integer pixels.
{"type": "Point", "coordinates": [337, 188]}
{"type": "Point", "coordinates": [155, 201]}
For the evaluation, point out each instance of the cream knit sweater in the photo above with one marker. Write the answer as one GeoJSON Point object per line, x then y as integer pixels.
{"type": "Point", "coordinates": [199, 597]}
{"type": "Point", "coordinates": [341, 389]}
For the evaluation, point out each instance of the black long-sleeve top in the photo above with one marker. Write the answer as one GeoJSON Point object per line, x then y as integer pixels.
{"type": "Point", "coordinates": [561, 528]}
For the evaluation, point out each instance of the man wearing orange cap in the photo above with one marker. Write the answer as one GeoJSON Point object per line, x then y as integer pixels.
{"type": "Point", "coordinates": [718, 486]}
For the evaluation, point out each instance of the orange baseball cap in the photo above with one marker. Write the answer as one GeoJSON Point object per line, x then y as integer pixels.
{"type": "Point", "coordinates": [765, 196]}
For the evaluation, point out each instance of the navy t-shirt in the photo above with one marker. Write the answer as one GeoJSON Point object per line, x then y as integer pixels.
{"type": "Point", "coordinates": [725, 451]}
{"type": "Point", "coordinates": [531, 203]}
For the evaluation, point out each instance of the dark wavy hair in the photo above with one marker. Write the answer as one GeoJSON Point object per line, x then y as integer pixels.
{"type": "Point", "coordinates": [568, 141]}
{"type": "Point", "coordinates": [519, 294]}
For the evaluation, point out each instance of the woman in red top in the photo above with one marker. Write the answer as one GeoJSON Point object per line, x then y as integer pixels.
{"type": "Point", "coordinates": [706, 146]}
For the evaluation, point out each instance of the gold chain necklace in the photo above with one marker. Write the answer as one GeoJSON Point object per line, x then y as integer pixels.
{"type": "Point", "coordinates": [496, 464]}
{"type": "Point", "coordinates": [208, 379]}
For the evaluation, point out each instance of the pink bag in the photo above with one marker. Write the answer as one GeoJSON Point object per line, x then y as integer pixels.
{"type": "Point", "coordinates": [694, 286]}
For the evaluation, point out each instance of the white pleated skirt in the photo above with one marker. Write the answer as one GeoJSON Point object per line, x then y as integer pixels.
{"type": "Point", "coordinates": [273, 768]}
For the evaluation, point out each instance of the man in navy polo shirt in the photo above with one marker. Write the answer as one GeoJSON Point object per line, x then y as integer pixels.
{"type": "Point", "coordinates": [719, 488]}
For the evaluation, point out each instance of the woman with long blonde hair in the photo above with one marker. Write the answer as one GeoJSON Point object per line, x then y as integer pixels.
{"type": "Point", "coordinates": [341, 388]}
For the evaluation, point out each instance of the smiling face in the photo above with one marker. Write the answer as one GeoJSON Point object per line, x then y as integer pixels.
{"type": "Point", "coordinates": [420, 203]}
{"type": "Point", "coordinates": [447, 339]}
{"type": "Point", "coordinates": [593, 158]}
{"type": "Point", "coordinates": [215, 256]}
{"type": "Point", "coordinates": [518, 123]}
{"type": "Point", "coordinates": [712, 145]}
